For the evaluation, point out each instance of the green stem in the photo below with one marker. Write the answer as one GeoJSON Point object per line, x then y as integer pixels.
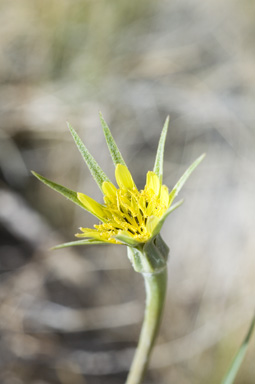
{"type": "Point", "coordinates": [155, 285]}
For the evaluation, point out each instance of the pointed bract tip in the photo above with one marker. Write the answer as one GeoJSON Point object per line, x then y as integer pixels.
{"type": "Point", "coordinates": [166, 124]}
{"type": "Point", "coordinates": [158, 165]}
{"type": "Point", "coordinates": [201, 157]}
{"type": "Point", "coordinates": [36, 174]}
{"type": "Point", "coordinates": [103, 122]}
{"type": "Point", "coordinates": [101, 117]}
{"type": "Point", "coordinates": [69, 126]}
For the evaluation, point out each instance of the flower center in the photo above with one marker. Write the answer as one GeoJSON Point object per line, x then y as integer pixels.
{"type": "Point", "coordinates": [129, 211]}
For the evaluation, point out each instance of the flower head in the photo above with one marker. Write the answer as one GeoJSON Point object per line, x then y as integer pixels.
{"type": "Point", "coordinates": [127, 211]}
{"type": "Point", "coordinates": [128, 216]}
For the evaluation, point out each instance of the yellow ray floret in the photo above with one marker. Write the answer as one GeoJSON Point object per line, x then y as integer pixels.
{"type": "Point", "coordinates": [124, 178]}
{"type": "Point", "coordinates": [127, 210]}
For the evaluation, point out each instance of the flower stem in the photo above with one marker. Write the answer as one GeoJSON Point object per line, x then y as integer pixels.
{"type": "Point", "coordinates": [155, 285]}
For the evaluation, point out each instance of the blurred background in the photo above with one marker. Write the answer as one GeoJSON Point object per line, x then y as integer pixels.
{"type": "Point", "coordinates": [74, 315]}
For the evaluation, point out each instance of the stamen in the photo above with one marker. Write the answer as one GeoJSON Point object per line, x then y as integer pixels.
{"type": "Point", "coordinates": [129, 211]}
{"type": "Point", "coordinates": [126, 220]}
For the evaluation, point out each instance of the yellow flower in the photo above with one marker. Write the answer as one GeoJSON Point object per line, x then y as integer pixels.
{"type": "Point", "coordinates": [128, 216]}
{"type": "Point", "coordinates": [126, 210]}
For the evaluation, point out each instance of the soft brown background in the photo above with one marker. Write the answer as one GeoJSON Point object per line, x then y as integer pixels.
{"type": "Point", "coordinates": [73, 316]}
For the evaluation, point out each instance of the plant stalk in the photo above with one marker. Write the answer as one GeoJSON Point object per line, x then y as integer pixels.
{"type": "Point", "coordinates": [155, 285]}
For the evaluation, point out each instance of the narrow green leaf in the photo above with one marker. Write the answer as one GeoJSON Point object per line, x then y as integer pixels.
{"type": "Point", "coordinates": [79, 242]}
{"type": "Point", "coordinates": [113, 149]}
{"type": "Point", "coordinates": [163, 218]}
{"type": "Point", "coordinates": [68, 193]}
{"type": "Point", "coordinates": [158, 166]}
{"type": "Point", "coordinates": [178, 186]}
{"type": "Point", "coordinates": [236, 364]}
{"type": "Point", "coordinates": [95, 170]}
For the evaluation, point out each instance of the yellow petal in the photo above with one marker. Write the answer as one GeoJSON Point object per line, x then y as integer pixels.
{"type": "Point", "coordinates": [88, 232]}
{"type": "Point", "coordinates": [164, 195]}
{"type": "Point", "coordinates": [93, 206]}
{"type": "Point", "coordinates": [152, 182]}
{"type": "Point", "coordinates": [94, 234]}
{"type": "Point", "coordinates": [151, 223]}
{"type": "Point", "coordinates": [123, 177]}
{"type": "Point", "coordinates": [109, 190]}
